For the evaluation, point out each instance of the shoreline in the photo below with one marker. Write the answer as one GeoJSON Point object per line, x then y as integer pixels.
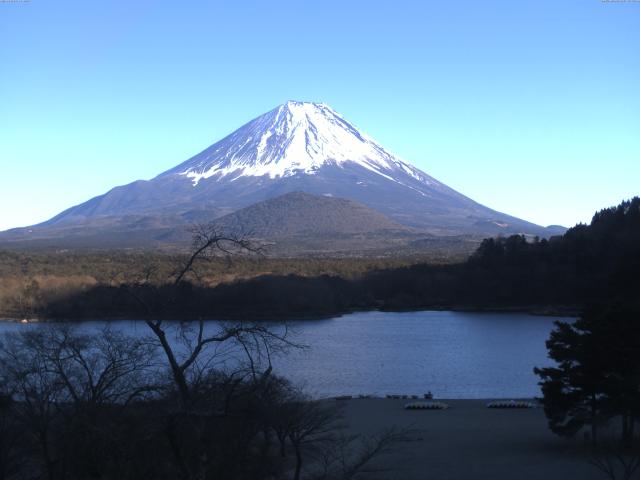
{"type": "Point", "coordinates": [534, 310]}
{"type": "Point", "coordinates": [469, 440]}
{"type": "Point", "coordinates": [409, 399]}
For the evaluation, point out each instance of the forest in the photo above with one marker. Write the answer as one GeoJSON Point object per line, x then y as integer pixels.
{"type": "Point", "coordinates": [558, 275]}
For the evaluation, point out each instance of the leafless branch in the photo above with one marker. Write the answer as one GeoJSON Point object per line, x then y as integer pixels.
{"type": "Point", "coordinates": [616, 462]}
{"type": "Point", "coordinates": [210, 239]}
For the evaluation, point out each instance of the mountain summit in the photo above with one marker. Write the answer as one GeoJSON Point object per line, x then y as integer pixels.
{"type": "Point", "coordinates": [296, 147]}
{"type": "Point", "coordinates": [296, 137]}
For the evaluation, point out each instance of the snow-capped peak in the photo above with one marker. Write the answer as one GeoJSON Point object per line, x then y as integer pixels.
{"type": "Point", "coordinates": [296, 137]}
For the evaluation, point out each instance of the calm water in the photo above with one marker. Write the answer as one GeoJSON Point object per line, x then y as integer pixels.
{"type": "Point", "coordinates": [452, 354]}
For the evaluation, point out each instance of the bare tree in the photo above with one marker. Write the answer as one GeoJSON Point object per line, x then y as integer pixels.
{"type": "Point", "coordinates": [196, 349]}
{"type": "Point", "coordinates": [353, 456]}
{"type": "Point", "coordinates": [11, 439]}
{"type": "Point", "coordinates": [615, 460]}
{"type": "Point", "coordinates": [314, 433]}
{"type": "Point", "coordinates": [209, 240]}
{"type": "Point", "coordinates": [107, 368]}
{"type": "Point", "coordinates": [27, 377]}
{"type": "Point", "coordinates": [59, 377]}
{"type": "Point", "coordinates": [310, 425]}
{"type": "Point", "coordinates": [255, 339]}
{"type": "Point", "coordinates": [97, 406]}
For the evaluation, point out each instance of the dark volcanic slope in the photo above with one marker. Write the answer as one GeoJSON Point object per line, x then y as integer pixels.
{"type": "Point", "coordinates": [291, 225]}
{"type": "Point", "coordinates": [302, 214]}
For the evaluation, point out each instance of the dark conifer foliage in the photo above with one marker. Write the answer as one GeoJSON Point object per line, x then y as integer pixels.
{"type": "Point", "coordinates": [597, 377]}
{"type": "Point", "coordinates": [598, 374]}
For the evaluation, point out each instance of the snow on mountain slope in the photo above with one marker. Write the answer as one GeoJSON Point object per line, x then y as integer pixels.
{"type": "Point", "coordinates": [296, 147]}
{"type": "Point", "coordinates": [296, 137]}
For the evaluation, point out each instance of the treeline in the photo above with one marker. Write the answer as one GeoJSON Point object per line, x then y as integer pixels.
{"type": "Point", "coordinates": [588, 263]}
{"type": "Point", "coordinates": [29, 282]}
{"type": "Point", "coordinates": [600, 260]}
{"type": "Point", "coordinates": [117, 266]}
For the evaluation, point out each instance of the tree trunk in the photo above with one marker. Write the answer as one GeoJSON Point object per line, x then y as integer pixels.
{"type": "Point", "coordinates": [266, 446]}
{"type": "Point", "coordinates": [594, 421]}
{"type": "Point", "coordinates": [627, 430]}
{"type": "Point", "coordinates": [170, 431]}
{"type": "Point", "coordinates": [298, 462]}
{"type": "Point", "coordinates": [178, 374]}
{"type": "Point", "coordinates": [282, 439]}
{"type": "Point", "coordinates": [48, 461]}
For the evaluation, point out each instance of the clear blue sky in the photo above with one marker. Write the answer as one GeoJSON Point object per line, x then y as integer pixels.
{"type": "Point", "coordinates": [530, 107]}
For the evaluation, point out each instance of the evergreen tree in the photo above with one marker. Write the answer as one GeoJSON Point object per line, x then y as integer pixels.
{"type": "Point", "coordinates": [597, 376]}
{"type": "Point", "coordinates": [573, 392]}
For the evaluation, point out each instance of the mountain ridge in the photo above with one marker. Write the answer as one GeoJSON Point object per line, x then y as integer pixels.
{"type": "Point", "coordinates": [300, 213]}
{"type": "Point", "coordinates": [298, 146]}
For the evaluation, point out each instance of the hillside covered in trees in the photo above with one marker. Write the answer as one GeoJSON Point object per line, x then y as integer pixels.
{"type": "Point", "coordinates": [560, 274]}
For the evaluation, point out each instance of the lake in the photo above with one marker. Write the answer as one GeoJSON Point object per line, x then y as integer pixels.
{"type": "Point", "coordinates": [451, 354]}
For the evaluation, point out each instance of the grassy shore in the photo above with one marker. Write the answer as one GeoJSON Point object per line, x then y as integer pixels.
{"type": "Point", "coordinates": [471, 441]}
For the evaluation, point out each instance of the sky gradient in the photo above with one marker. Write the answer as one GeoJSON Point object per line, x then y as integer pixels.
{"type": "Point", "coordinates": [530, 108]}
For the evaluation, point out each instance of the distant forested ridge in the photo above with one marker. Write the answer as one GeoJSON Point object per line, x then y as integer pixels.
{"type": "Point", "coordinates": [587, 263]}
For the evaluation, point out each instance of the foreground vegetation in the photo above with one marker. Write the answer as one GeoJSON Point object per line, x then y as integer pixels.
{"type": "Point", "coordinates": [597, 374]}
{"type": "Point", "coordinates": [183, 401]}
{"type": "Point", "coordinates": [106, 405]}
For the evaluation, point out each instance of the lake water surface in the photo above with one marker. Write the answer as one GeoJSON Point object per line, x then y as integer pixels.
{"type": "Point", "coordinates": [452, 354]}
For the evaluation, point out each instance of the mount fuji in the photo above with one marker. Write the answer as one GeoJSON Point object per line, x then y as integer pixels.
{"type": "Point", "coordinates": [296, 147]}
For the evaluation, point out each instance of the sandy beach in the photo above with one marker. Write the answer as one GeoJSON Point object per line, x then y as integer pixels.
{"type": "Point", "coordinates": [471, 441]}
